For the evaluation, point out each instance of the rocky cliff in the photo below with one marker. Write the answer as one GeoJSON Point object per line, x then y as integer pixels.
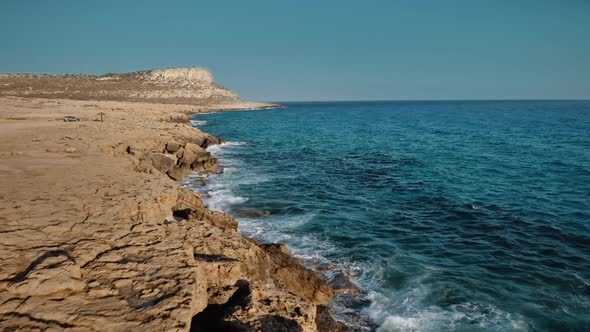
{"type": "Point", "coordinates": [98, 236]}
{"type": "Point", "coordinates": [176, 85]}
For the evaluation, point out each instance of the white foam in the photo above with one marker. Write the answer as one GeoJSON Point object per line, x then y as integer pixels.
{"type": "Point", "coordinates": [410, 314]}
{"type": "Point", "coordinates": [195, 123]}
{"type": "Point", "coordinates": [396, 323]}
{"type": "Point", "coordinates": [239, 143]}
{"type": "Point", "coordinates": [281, 229]}
{"type": "Point", "coordinates": [584, 281]}
{"type": "Point", "coordinates": [230, 170]}
{"type": "Point", "coordinates": [217, 150]}
{"type": "Point", "coordinates": [222, 199]}
{"type": "Point", "coordinates": [220, 189]}
{"type": "Point", "coordinates": [294, 221]}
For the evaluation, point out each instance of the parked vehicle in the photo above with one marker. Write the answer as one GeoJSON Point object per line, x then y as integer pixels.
{"type": "Point", "coordinates": [71, 118]}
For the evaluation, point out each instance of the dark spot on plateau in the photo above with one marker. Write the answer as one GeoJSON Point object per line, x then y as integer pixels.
{"type": "Point", "coordinates": [183, 214]}
{"type": "Point", "coordinates": [131, 260]}
{"type": "Point", "coordinates": [214, 258]}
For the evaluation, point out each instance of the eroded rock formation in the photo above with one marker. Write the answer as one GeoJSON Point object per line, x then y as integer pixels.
{"type": "Point", "coordinates": [103, 239]}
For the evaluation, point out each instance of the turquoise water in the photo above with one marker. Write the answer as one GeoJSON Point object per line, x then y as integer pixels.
{"type": "Point", "coordinates": [452, 216]}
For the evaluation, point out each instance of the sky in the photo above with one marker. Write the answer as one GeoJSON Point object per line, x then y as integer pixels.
{"type": "Point", "coordinates": [317, 50]}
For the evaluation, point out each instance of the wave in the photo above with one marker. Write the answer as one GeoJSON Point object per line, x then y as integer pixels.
{"type": "Point", "coordinates": [196, 123]}
{"type": "Point", "coordinates": [265, 108]}
{"type": "Point", "coordinates": [222, 199]}
{"type": "Point", "coordinates": [217, 150]}
{"type": "Point", "coordinates": [433, 318]}
{"type": "Point", "coordinates": [403, 310]}
{"type": "Point", "coordinates": [219, 194]}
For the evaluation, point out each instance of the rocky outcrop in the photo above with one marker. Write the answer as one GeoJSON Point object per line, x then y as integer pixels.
{"type": "Point", "coordinates": [190, 85]}
{"type": "Point", "coordinates": [341, 283]}
{"type": "Point", "coordinates": [179, 274]}
{"type": "Point", "coordinates": [300, 281]}
{"type": "Point", "coordinates": [251, 286]}
{"type": "Point", "coordinates": [177, 160]}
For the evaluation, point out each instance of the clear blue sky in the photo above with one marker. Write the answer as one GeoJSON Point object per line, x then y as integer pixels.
{"type": "Point", "coordinates": [317, 50]}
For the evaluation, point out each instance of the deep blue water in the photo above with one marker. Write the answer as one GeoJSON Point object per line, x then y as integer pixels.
{"type": "Point", "coordinates": [452, 216]}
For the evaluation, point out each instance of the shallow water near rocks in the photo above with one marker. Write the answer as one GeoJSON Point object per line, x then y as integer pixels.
{"type": "Point", "coordinates": [452, 216]}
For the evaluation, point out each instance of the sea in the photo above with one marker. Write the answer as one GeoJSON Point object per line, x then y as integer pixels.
{"type": "Point", "coordinates": [449, 215]}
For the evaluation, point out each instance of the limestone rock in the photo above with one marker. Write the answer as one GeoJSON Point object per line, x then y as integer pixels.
{"type": "Point", "coordinates": [187, 199]}
{"type": "Point", "coordinates": [289, 272]}
{"type": "Point", "coordinates": [207, 165]}
{"type": "Point", "coordinates": [325, 321]}
{"type": "Point", "coordinates": [340, 283]}
{"type": "Point", "coordinates": [116, 245]}
{"type": "Point", "coordinates": [282, 247]}
{"type": "Point", "coordinates": [171, 86]}
{"type": "Point", "coordinates": [209, 140]}
{"type": "Point", "coordinates": [177, 173]}
{"type": "Point", "coordinates": [178, 118]}
{"type": "Point", "coordinates": [323, 267]}
{"type": "Point", "coordinates": [180, 152]}
{"type": "Point", "coordinates": [199, 139]}
{"type": "Point", "coordinates": [215, 218]}
{"type": "Point", "coordinates": [193, 153]}
{"type": "Point", "coordinates": [163, 162]}
{"type": "Point", "coordinates": [172, 147]}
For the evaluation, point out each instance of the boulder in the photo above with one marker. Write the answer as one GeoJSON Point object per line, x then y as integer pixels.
{"type": "Point", "coordinates": [340, 283]}
{"type": "Point", "coordinates": [179, 153]}
{"type": "Point", "coordinates": [282, 247]}
{"type": "Point", "coordinates": [208, 165]}
{"type": "Point", "coordinates": [187, 199]}
{"type": "Point", "coordinates": [215, 218]}
{"type": "Point", "coordinates": [163, 162]}
{"type": "Point", "coordinates": [288, 272]}
{"type": "Point", "coordinates": [192, 153]}
{"type": "Point", "coordinates": [172, 147]}
{"type": "Point", "coordinates": [178, 172]}
{"type": "Point", "coordinates": [198, 140]}
{"type": "Point", "coordinates": [325, 321]}
{"type": "Point", "coordinates": [323, 267]}
{"type": "Point", "coordinates": [209, 140]}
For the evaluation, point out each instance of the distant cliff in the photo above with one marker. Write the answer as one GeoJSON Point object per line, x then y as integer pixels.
{"type": "Point", "coordinates": [191, 85]}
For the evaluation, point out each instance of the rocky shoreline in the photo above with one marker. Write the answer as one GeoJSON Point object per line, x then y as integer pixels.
{"type": "Point", "coordinates": [97, 234]}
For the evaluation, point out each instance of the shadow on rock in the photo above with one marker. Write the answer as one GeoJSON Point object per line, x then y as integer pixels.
{"type": "Point", "coordinates": [214, 315]}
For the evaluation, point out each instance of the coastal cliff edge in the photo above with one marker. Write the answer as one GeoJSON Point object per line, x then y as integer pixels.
{"type": "Point", "coordinates": [98, 236]}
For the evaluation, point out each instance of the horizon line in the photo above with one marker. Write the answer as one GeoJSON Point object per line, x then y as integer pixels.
{"type": "Point", "coordinates": [427, 100]}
